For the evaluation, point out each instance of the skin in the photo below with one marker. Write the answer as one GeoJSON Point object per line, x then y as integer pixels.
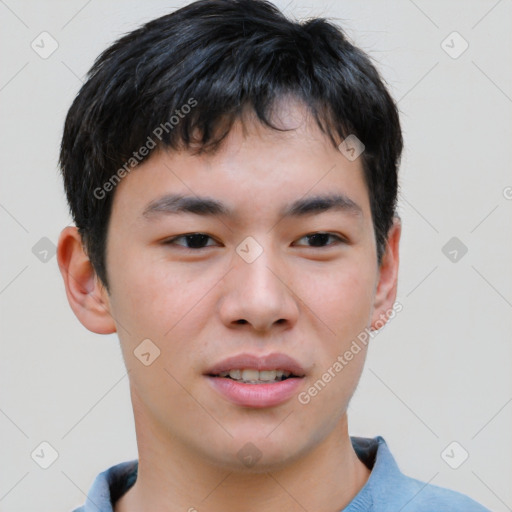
{"type": "Point", "coordinates": [307, 301]}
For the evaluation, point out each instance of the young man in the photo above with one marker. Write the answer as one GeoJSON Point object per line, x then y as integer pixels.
{"type": "Point", "coordinates": [233, 177]}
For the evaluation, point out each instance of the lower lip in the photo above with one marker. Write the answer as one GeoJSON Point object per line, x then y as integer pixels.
{"type": "Point", "coordinates": [256, 395]}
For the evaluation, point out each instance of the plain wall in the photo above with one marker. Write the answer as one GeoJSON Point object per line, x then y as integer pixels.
{"type": "Point", "coordinates": [438, 373]}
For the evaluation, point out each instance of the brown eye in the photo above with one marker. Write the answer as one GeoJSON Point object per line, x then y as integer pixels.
{"type": "Point", "coordinates": [191, 241]}
{"type": "Point", "coordinates": [321, 239]}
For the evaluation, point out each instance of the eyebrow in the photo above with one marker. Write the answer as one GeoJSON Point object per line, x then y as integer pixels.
{"type": "Point", "coordinates": [171, 204]}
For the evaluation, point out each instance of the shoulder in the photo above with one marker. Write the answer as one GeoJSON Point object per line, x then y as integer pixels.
{"type": "Point", "coordinates": [109, 486]}
{"type": "Point", "coordinates": [389, 490]}
{"type": "Point", "coordinates": [425, 497]}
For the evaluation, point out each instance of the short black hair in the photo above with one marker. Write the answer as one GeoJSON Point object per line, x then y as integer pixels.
{"type": "Point", "coordinates": [181, 80]}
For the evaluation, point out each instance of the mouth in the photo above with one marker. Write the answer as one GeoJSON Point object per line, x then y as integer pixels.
{"type": "Point", "coordinates": [254, 376]}
{"type": "Point", "coordinates": [273, 367]}
{"type": "Point", "coordinates": [257, 381]}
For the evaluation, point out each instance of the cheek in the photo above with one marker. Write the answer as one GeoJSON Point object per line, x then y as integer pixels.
{"type": "Point", "coordinates": [343, 301]}
{"type": "Point", "coordinates": [152, 298]}
{"type": "Point", "coordinates": [342, 297]}
{"type": "Point", "coordinates": [166, 304]}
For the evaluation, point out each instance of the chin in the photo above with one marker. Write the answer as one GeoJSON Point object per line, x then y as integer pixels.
{"type": "Point", "coordinates": [256, 454]}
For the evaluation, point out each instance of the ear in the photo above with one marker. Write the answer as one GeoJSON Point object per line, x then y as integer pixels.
{"type": "Point", "coordinates": [385, 293]}
{"type": "Point", "coordinates": [86, 294]}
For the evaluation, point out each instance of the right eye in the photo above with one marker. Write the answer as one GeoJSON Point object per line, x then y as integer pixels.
{"type": "Point", "coordinates": [192, 241]}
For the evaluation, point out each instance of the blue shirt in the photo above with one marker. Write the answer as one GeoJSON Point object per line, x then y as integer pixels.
{"type": "Point", "coordinates": [386, 490]}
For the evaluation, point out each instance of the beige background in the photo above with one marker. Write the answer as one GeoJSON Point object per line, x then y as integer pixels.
{"type": "Point", "coordinates": [440, 372]}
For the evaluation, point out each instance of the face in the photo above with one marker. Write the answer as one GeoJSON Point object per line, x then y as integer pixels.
{"type": "Point", "coordinates": [262, 271]}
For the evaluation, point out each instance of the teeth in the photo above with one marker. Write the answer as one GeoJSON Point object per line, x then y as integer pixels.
{"type": "Point", "coordinates": [235, 374]}
{"type": "Point", "coordinates": [250, 375]}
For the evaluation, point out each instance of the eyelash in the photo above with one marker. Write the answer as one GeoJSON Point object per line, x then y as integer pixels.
{"type": "Point", "coordinates": [188, 235]}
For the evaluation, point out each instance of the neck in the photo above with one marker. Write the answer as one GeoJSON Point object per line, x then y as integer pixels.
{"type": "Point", "coordinates": [172, 477]}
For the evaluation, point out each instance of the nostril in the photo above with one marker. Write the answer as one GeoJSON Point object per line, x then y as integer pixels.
{"type": "Point", "coordinates": [241, 321]}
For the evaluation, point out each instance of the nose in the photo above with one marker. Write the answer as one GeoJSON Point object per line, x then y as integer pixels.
{"type": "Point", "coordinates": [256, 295]}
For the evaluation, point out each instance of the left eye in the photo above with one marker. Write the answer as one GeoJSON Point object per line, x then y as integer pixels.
{"type": "Point", "coordinates": [320, 239]}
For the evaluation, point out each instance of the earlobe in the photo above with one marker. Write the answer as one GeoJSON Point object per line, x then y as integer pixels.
{"type": "Point", "coordinates": [86, 295]}
{"type": "Point", "coordinates": [385, 294]}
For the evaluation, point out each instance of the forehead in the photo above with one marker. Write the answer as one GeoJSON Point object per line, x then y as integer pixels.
{"type": "Point", "coordinates": [256, 171]}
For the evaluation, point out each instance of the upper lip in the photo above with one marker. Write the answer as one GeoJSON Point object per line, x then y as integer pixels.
{"type": "Point", "coordinates": [275, 361]}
